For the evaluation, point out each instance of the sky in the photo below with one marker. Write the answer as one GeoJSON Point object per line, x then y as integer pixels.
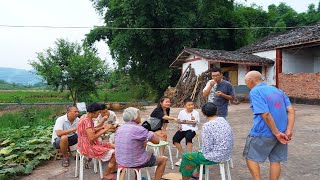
{"type": "Point", "coordinates": [19, 45]}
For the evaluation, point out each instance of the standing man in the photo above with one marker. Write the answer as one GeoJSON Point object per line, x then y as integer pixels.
{"type": "Point", "coordinates": [219, 92]}
{"type": "Point", "coordinates": [272, 128]}
{"type": "Point", "coordinates": [64, 133]}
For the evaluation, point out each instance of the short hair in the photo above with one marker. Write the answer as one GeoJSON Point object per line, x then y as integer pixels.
{"type": "Point", "coordinates": [103, 107]}
{"type": "Point", "coordinates": [130, 114]}
{"type": "Point", "coordinates": [186, 100]}
{"type": "Point", "coordinates": [71, 107]}
{"type": "Point", "coordinates": [216, 69]}
{"type": "Point", "coordinates": [94, 107]}
{"type": "Point", "coordinates": [209, 109]}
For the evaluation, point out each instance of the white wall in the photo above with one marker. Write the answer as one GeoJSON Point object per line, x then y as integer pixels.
{"type": "Point", "coordinates": [297, 61]}
{"type": "Point", "coordinates": [271, 78]}
{"type": "Point", "coordinates": [242, 70]}
{"type": "Point", "coordinates": [267, 54]}
{"type": "Point", "coordinates": [316, 53]}
{"type": "Point", "coordinates": [199, 66]}
{"type": "Point", "coordinates": [271, 70]}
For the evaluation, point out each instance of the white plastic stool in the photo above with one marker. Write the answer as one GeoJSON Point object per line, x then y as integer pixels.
{"type": "Point", "coordinates": [199, 143]}
{"type": "Point", "coordinates": [222, 171]}
{"type": "Point", "coordinates": [82, 163]}
{"type": "Point", "coordinates": [156, 149]}
{"type": "Point", "coordinates": [136, 170]}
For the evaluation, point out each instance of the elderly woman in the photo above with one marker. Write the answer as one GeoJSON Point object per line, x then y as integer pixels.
{"type": "Point", "coordinates": [129, 144]}
{"type": "Point", "coordinates": [88, 143]}
{"type": "Point", "coordinates": [217, 143]}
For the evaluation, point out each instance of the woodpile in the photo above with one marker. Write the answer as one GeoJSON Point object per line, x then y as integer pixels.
{"type": "Point", "coordinates": [189, 85]}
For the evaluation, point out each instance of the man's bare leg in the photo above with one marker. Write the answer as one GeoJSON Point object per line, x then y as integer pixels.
{"type": "Point", "coordinates": [64, 144]}
{"type": "Point", "coordinates": [254, 169]}
{"type": "Point", "coordinates": [161, 165]}
{"type": "Point", "coordinates": [275, 170]}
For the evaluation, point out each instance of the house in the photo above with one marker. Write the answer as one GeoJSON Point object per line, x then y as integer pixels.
{"type": "Point", "coordinates": [289, 60]}
{"type": "Point", "coordinates": [297, 61]}
{"type": "Point", "coordinates": [234, 64]}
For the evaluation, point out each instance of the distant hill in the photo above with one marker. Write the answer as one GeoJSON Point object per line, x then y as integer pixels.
{"type": "Point", "coordinates": [19, 76]}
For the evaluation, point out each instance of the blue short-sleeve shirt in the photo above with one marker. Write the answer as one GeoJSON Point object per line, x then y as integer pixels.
{"type": "Point", "coordinates": [263, 99]}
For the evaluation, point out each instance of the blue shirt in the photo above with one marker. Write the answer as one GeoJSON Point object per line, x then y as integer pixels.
{"type": "Point", "coordinates": [263, 99]}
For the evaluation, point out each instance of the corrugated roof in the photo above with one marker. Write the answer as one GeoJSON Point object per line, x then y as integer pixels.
{"type": "Point", "coordinates": [294, 37]}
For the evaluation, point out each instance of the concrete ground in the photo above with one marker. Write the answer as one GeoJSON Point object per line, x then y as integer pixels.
{"type": "Point", "coordinates": [304, 150]}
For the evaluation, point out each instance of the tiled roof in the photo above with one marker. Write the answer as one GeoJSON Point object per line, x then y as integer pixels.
{"type": "Point", "coordinates": [294, 37]}
{"type": "Point", "coordinates": [221, 56]}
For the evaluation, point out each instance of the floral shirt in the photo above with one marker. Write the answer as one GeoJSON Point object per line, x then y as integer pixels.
{"type": "Point", "coordinates": [217, 140]}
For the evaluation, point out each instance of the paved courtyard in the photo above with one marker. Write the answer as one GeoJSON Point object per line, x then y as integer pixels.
{"type": "Point", "coordinates": [304, 150]}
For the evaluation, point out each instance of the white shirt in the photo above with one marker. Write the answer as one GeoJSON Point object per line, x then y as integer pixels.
{"type": "Point", "coordinates": [112, 118]}
{"type": "Point", "coordinates": [212, 92]}
{"type": "Point", "coordinates": [184, 115]}
{"type": "Point", "coordinates": [62, 123]}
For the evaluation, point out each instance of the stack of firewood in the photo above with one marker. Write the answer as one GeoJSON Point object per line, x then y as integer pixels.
{"type": "Point", "coordinates": [189, 85]}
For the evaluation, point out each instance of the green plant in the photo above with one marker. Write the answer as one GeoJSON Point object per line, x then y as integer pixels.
{"type": "Point", "coordinates": [31, 116]}
{"type": "Point", "coordinates": [21, 150]}
{"type": "Point", "coordinates": [17, 99]}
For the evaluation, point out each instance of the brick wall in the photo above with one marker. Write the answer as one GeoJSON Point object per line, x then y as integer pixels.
{"type": "Point", "coordinates": [301, 85]}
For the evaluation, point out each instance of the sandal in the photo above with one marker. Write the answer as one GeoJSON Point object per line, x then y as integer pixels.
{"type": "Point", "coordinates": [65, 162]}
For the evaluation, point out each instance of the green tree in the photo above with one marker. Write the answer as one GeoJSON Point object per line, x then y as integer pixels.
{"type": "Point", "coordinates": [68, 66]}
{"type": "Point", "coordinates": [147, 53]}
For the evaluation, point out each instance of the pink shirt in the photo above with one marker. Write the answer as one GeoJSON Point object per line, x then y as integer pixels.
{"type": "Point", "coordinates": [129, 145]}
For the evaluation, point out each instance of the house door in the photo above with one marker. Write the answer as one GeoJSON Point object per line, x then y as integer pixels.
{"type": "Point", "coordinates": [230, 72]}
{"type": "Point", "coordinates": [233, 78]}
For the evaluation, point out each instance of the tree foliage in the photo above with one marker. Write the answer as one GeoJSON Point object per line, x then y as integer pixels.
{"type": "Point", "coordinates": [147, 53]}
{"type": "Point", "coordinates": [69, 66]}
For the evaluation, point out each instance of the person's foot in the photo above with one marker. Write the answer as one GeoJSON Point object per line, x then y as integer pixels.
{"type": "Point", "coordinates": [178, 163]}
{"type": "Point", "coordinates": [65, 162]}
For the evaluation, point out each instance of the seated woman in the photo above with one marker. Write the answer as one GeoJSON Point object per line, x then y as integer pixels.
{"type": "Point", "coordinates": [217, 143]}
{"type": "Point", "coordinates": [129, 144]}
{"type": "Point", "coordinates": [88, 143]}
{"type": "Point", "coordinates": [162, 112]}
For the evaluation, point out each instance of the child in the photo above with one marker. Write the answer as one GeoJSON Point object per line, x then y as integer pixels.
{"type": "Point", "coordinates": [187, 131]}
{"type": "Point", "coordinates": [217, 143]}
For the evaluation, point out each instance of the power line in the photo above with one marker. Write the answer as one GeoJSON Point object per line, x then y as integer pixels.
{"type": "Point", "coordinates": [147, 28]}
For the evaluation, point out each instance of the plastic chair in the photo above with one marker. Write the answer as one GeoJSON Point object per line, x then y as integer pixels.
{"type": "Point", "coordinates": [156, 149]}
{"type": "Point", "coordinates": [79, 155]}
{"type": "Point", "coordinates": [136, 170]}
{"type": "Point", "coordinates": [222, 171]}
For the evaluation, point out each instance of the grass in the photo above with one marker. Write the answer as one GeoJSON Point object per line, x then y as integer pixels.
{"type": "Point", "coordinates": [33, 96]}
{"type": "Point", "coordinates": [31, 116]}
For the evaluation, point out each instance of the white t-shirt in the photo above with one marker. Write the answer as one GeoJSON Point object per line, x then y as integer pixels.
{"type": "Point", "coordinates": [112, 117]}
{"type": "Point", "coordinates": [62, 123]}
{"type": "Point", "coordinates": [183, 115]}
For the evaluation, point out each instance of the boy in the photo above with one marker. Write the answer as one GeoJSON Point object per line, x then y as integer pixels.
{"type": "Point", "coordinates": [188, 131]}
